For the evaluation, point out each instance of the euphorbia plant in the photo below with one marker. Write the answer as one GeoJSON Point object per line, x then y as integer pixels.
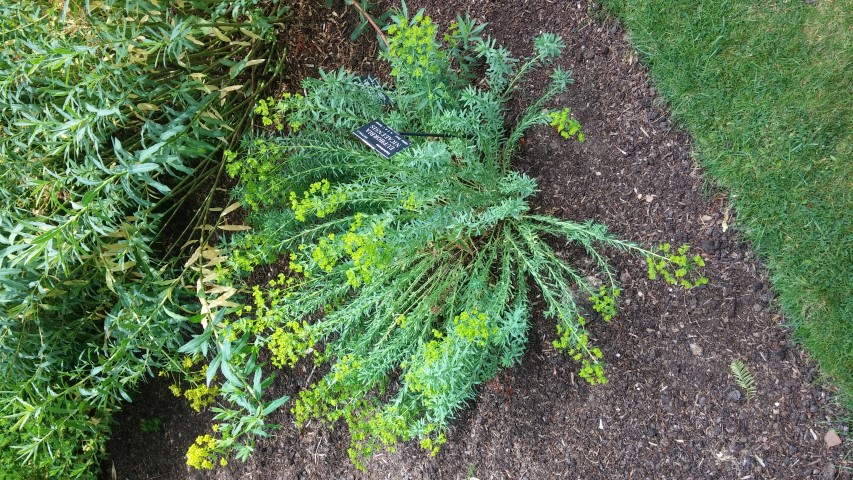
{"type": "Point", "coordinates": [409, 275]}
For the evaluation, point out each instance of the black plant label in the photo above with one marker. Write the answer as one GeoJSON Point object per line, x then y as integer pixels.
{"type": "Point", "coordinates": [382, 138]}
{"type": "Point", "coordinates": [372, 82]}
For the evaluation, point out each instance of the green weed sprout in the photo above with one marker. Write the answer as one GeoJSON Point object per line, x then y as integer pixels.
{"type": "Point", "coordinates": [566, 126]}
{"type": "Point", "coordinates": [676, 267]}
{"type": "Point", "coordinates": [149, 425]}
{"type": "Point", "coordinates": [743, 378]}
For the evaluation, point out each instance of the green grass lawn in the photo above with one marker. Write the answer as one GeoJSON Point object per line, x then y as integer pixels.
{"type": "Point", "coordinates": [766, 90]}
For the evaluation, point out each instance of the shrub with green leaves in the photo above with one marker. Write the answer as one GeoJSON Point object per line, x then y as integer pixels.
{"type": "Point", "coordinates": [411, 275]}
{"type": "Point", "coordinates": [112, 112]}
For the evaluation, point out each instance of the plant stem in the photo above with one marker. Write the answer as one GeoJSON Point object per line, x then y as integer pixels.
{"type": "Point", "coordinates": [372, 23]}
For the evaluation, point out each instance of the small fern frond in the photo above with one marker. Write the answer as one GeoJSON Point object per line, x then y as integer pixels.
{"type": "Point", "coordinates": [743, 377]}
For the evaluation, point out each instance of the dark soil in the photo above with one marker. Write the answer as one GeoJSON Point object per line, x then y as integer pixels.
{"type": "Point", "coordinates": [671, 408]}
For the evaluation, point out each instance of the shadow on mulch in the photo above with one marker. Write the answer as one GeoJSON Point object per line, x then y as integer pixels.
{"type": "Point", "coordinates": [671, 408]}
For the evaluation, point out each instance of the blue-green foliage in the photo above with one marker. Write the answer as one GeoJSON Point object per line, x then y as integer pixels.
{"type": "Point", "coordinates": [420, 265]}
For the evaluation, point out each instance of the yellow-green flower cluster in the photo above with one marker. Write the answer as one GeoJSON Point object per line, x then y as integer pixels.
{"type": "Point", "coordinates": [574, 344]}
{"type": "Point", "coordinates": [410, 203]}
{"type": "Point", "coordinates": [249, 250]}
{"type": "Point", "coordinates": [474, 327]}
{"type": "Point", "coordinates": [187, 362]}
{"type": "Point", "coordinates": [307, 405]}
{"type": "Point", "coordinates": [372, 429]}
{"type": "Point", "coordinates": [202, 453]}
{"type": "Point", "coordinates": [675, 266]}
{"type": "Point", "coordinates": [326, 253]}
{"type": "Point", "coordinates": [281, 281]}
{"type": "Point", "coordinates": [592, 372]}
{"type": "Point", "coordinates": [318, 200]}
{"type": "Point", "coordinates": [566, 126]}
{"type": "Point", "coordinates": [264, 312]}
{"type": "Point", "coordinates": [290, 342]}
{"type": "Point", "coordinates": [272, 112]}
{"type": "Point", "coordinates": [269, 118]}
{"type": "Point", "coordinates": [362, 245]}
{"type": "Point", "coordinates": [578, 347]}
{"type": "Point", "coordinates": [433, 350]}
{"type": "Point", "coordinates": [451, 36]}
{"type": "Point", "coordinates": [345, 366]}
{"type": "Point", "coordinates": [311, 402]}
{"type": "Point", "coordinates": [564, 336]}
{"type": "Point", "coordinates": [430, 443]}
{"type": "Point", "coordinates": [201, 396]}
{"type": "Point", "coordinates": [365, 246]}
{"type": "Point", "coordinates": [175, 389]}
{"type": "Point", "coordinates": [605, 302]}
{"type": "Point", "coordinates": [413, 48]}
{"type": "Point", "coordinates": [329, 401]}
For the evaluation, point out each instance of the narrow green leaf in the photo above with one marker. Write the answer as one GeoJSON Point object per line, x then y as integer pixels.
{"type": "Point", "coordinates": [274, 405]}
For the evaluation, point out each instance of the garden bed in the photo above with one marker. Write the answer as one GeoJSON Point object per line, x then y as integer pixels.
{"type": "Point", "coordinates": [671, 408]}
